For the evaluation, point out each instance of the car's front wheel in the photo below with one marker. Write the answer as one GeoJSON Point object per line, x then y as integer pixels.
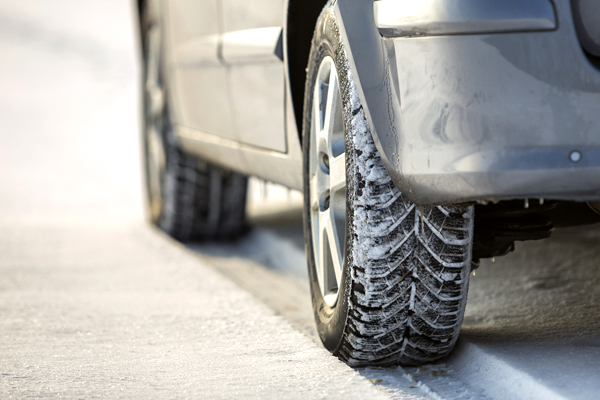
{"type": "Point", "coordinates": [388, 278]}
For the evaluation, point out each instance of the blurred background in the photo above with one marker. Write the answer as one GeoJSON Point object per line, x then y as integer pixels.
{"type": "Point", "coordinates": [69, 120]}
{"type": "Point", "coordinates": [70, 114]}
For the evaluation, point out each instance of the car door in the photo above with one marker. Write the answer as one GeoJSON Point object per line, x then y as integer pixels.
{"type": "Point", "coordinates": [198, 78]}
{"type": "Point", "coordinates": [253, 52]}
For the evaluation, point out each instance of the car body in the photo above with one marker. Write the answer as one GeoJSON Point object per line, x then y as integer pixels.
{"type": "Point", "coordinates": [458, 117]}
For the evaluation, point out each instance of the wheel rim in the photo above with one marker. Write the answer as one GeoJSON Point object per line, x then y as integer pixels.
{"type": "Point", "coordinates": [154, 109]}
{"type": "Point", "coordinates": [327, 172]}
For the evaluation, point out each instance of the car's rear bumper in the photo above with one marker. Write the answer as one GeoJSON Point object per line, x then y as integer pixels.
{"type": "Point", "coordinates": [487, 116]}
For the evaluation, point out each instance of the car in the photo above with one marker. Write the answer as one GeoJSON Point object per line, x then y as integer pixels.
{"type": "Point", "coordinates": [424, 135]}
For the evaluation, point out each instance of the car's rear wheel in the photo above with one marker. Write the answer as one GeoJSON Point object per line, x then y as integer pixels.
{"type": "Point", "coordinates": [188, 198]}
{"type": "Point", "coordinates": [388, 279]}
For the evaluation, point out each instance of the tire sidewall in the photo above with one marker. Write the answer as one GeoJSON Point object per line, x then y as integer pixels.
{"type": "Point", "coordinates": [330, 321]}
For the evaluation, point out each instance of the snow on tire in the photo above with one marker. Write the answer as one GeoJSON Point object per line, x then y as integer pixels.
{"type": "Point", "coordinates": [406, 268]}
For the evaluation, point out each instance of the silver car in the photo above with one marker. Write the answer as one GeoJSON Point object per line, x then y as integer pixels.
{"type": "Point", "coordinates": [425, 136]}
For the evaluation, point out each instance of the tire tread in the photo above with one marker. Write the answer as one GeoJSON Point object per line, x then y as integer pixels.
{"type": "Point", "coordinates": [202, 201]}
{"type": "Point", "coordinates": [410, 265]}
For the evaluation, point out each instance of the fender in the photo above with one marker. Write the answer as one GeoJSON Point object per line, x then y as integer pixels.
{"type": "Point", "coordinates": [473, 117]}
{"type": "Point", "coordinates": [369, 62]}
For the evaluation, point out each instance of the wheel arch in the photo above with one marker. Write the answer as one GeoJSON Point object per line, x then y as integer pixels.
{"type": "Point", "coordinates": [368, 62]}
{"type": "Point", "coordinates": [300, 21]}
{"type": "Point", "coordinates": [370, 66]}
{"type": "Point", "coordinates": [142, 25]}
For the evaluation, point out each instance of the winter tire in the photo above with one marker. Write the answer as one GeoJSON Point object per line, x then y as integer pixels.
{"type": "Point", "coordinates": [187, 197]}
{"type": "Point", "coordinates": [388, 278]}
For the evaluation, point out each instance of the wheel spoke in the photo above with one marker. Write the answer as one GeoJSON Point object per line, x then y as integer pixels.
{"type": "Point", "coordinates": [320, 104]}
{"type": "Point", "coordinates": [332, 117]}
{"type": "Point", "coordinates": [152, 63]}
{"type": "Point", "coordinates": [335, 247]}
{"type": "Point", "coordinates": [337, 173]}
{"type": "Point", "coordinates": [318, 107]}
{"type": "Point", "coordinates": [323, 261]}
{"type": "Point", "coordinates": [314, 193]}
{"type": "Point", "coordinates": [157, 102]}
{"type": "Point", "coordinates": [322, 146]}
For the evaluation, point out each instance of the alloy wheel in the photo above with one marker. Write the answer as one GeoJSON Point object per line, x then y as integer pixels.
{"type": "Point", "coordinates": [154, 114]}
{"type": "Point", "coordinates": [327, 174]}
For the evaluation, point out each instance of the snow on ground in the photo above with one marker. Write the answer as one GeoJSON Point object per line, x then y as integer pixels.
{"type": "Point", "coordinates": [118, 311]}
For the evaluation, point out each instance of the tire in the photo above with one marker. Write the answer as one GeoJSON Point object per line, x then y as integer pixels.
{"type": "Point", "coordinates": [188, 198]}
{"type": "Point", "coordinates": [400, 294]}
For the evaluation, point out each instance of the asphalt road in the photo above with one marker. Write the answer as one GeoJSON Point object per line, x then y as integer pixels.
{"type": "Point", "coordinates": [94, 302]}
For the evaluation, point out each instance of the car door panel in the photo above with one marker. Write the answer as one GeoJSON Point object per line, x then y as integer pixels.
{"type": "Point", "coordinates": [198, 77]}
{"type": "Point", "coordinates": [253, 54]}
